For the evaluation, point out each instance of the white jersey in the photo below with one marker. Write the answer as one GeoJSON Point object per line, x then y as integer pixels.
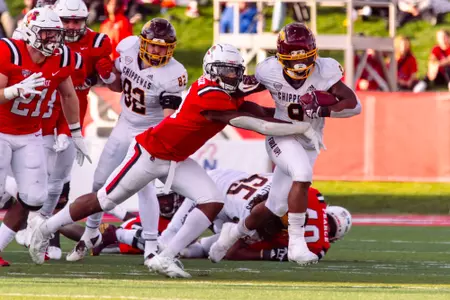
{"type": "Point", "coordinates": [240, 189]}
{"type": "Point", "coordinates": [325, 74]}
{"type": "Point", "coordinates": [142, 88]}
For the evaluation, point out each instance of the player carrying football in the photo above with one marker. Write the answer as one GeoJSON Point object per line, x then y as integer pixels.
{"type": "Point", "coordinates": [292, 77]}
{"type": "Point", "coordinates": [163, 152]}
{"type": "Point", "coordinates": [31, 70]}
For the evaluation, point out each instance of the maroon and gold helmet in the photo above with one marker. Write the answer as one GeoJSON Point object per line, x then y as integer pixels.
{"type": "Point", "coordinates": [296, 50]}
{"type": "Point", "coordinates": [161, 33]}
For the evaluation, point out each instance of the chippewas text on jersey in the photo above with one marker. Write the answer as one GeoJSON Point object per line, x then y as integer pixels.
{"type": "Point", "coordinates": [145, 83]}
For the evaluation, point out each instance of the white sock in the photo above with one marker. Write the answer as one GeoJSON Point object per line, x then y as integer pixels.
{"type": "Point", "coordinates": [149, 213]}
{"type": "Point", "coordinates": [177, 221]}
{"type": "Point", "coordinates": [296, 224]}
{"type": "Point", "coordinates": [49, 205]}
{"type": "Point", "coordinates": [6, 236]}
{"type": "Point", "coordinates": [94, 220]}
{"type": "Point", "coordinates": [57, 221]}
{"type": "Point", "coordinates": [126, 236]}
{"type": "Point", "coordinates": [194, 250]}
{"type": "Point", "coordinates": [196, 223]}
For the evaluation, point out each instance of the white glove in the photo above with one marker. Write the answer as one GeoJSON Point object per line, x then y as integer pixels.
{"type": "Point", "coordinates": [315, 138]}
{"type": "Point", "coordinates": [78, 141]}
{"type": "Point", "coordinates": [25, 87]}
{"type": "Point", "coordinates": [62, 143]}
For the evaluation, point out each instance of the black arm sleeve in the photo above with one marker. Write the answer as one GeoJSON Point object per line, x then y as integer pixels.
{"type": "Point", "coordinates": [169, 101]}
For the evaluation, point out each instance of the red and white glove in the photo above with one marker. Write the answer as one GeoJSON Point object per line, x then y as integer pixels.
{"type": "Point", "coordinates": [62, 142]}
{"type": "Point", "coordinates": [310, 105]}
{"type": "Point", "coordinates": [104, 67]}
{"type": "Point", "coordinates": [77, 138]}
{"type": "Point", "coordinates": [25, 87]}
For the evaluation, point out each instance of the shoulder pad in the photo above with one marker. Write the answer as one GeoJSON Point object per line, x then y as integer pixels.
{"type": "Point", "coordinates": [265, 68]}
{"type": "Point", "coordinates": [177, 77]}
{"type": "Point", "coordinates": [127, 43]}
{"type": "Point", "coordinates": [65, 57]}
{"type": "Point", "coordinates": [14, 52]}
{"type": "Point", "coordinates": [329, 67]}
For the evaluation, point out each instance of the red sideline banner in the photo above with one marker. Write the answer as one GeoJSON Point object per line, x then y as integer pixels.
{"type": "Point", "coordinates": [397, 137]}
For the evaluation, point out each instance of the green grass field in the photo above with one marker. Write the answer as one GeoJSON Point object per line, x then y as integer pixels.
{"type": "Point", "coordinates": [371, 263]}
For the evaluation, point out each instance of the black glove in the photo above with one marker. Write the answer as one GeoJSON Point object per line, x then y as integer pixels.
{"type": "Point", "coordinates": [280, 254]}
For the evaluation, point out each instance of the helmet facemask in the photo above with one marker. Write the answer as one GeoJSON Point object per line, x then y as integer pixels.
{"type": "Point", "coordinates": [73, 35]}
{"type": "Point", "coordinates": [169, 204]}
{"type": "Point", "coordinates": [227, 75]}
{"type": "Point", "coordinates": [47, 40]}
{"type": "Point", "coordinates": [299, 64]}
{"type": "Point", "coordinates": [153, 59]}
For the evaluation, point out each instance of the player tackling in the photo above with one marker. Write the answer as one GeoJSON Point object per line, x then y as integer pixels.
{"type": "Point", "coordinates": [293, 78]}
{"type": "Point", "coordinates": [163, 152]}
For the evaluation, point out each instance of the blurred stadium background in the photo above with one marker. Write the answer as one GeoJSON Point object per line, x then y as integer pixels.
{"type": "Point", "coordinates": [388, 166]}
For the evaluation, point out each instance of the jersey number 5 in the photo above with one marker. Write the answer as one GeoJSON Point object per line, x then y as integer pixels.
{"type": "Point", "coordinates": [16, 109]}
{"type": "Point", "coordinates": [134, 97]}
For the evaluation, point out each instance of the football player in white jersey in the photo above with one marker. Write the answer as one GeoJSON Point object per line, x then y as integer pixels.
{"type": "Point", "coordinates": [151, 82]}
{"type": "Point", "coordinates": [290, 77]}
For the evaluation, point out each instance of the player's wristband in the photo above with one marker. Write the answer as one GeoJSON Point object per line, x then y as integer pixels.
{"type": "Point", "coordinates": [10, 92]}
{"type": "Point", "coordinates": [110, 79]}
{"type": "Point", "coordinates": [74, 127]}
{"type": "Point", "coordinates": [324, 112]}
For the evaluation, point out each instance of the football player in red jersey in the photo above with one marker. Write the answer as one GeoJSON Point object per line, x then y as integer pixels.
{"type": "Point", "coordinates": [92, 58]}
{"type": "Point", "coordinates": [31, 71]}
{"type": "Point", "coordinates": [163, 152]}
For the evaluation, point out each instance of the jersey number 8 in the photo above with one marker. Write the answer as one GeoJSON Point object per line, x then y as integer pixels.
{"type": "Point", "coordinates": [134, 97]}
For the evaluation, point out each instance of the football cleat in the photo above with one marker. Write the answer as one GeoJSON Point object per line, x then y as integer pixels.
{"type": "Point", "coordinates": [3, 263]}
{"type": "Point", "coordinates": [299, 253]}
{"type": "Point", "coordinates": [228, 236]}
{"type": "Point", "coordinates": [54, 253]}
{"type": "Point", "coordinates": [84, 245]}
{"type": "Point", "coordinates": [39, 243]}
{"type": "Point", "coordinates": [166, 266]}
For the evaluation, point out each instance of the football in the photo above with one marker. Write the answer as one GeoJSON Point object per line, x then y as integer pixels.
{"type": "Point", "coordinates": [325, 98]}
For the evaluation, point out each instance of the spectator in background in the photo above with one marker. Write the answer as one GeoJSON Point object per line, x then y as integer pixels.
{"type": "Point", "coordinates": [116, 26]}
{"type": "Point", "coordinates": [431, 11]}
{"type": "Point", "coordinates": [247, 18]}
{"type": "Point", "coordinates": [438, 71]}
{"type": "Point", "coordinates": [368, 81]}
{"type": "Point", "coordinates": [7, 23]}
{"type": "Point", "coordinates": [406, 64]}
{"type": "Point", "coordinates": [96, 11]}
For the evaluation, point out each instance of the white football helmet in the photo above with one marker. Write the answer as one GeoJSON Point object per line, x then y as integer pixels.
{"type": "Point", "coordinates": [42, 29]}
{"type": "Point", "coordinates": [224, 64]}
{"type": "Point", "coordinates": [342, 220]}
{"type": "Point", "coordinates": [75, 10]}
{"type": "Point", "coordinates": [168, 203]}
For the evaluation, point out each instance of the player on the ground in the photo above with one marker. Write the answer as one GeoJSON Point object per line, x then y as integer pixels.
{"type": "Point", "coordinates": [151, 81]}
{"type": "Point", "coordinates": [31, 71]}
{"type": "Point", "coordinates": [163, 152]}
{"type": "Point", "coordinates": [291, 77]}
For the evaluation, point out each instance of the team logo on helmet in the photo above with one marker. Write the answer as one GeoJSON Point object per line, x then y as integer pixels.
{"type": "Point", "coordinates": [32, 16]}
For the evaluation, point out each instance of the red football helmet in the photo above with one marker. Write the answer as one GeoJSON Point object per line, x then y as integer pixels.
{"type": "Point", "coordinates": [296, 50]}
{"type": "Point", "coordinates": [157, 32]}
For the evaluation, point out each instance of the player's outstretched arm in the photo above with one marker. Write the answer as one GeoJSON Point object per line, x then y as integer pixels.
{"type": "Point", "coordinates": [262, 125]}
{"type": "Point", "coordinates": [348, 104]}
{"type": "Point", "coordinates": [257, 110]}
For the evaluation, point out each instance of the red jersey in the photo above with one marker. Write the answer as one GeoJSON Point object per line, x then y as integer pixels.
{"type": "Point", "coordinates": [23, 115]}
{"type": "Point", "coordinates": [54, 117]}
{"type": "Point", "coordinates": [92, 46]}
{"type": "Point", "coordinates": [440, 54]}
{"type": "Point", "coordinates": [406, 66]}
{"type": "Point", "coordinates": [316, 229]}
{"type": "Point", "coordinates": [185, 131]}
{"type": "Point", "coordinates": [135, 223]}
